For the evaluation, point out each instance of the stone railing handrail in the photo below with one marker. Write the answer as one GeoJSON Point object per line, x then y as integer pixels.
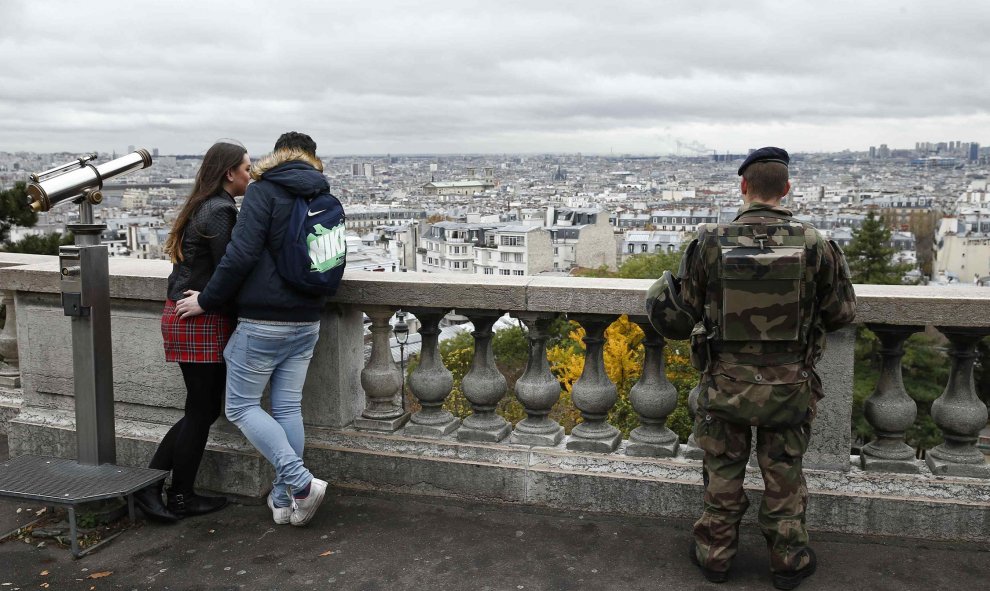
{"type": "Point", "coordinates": [881, 304]}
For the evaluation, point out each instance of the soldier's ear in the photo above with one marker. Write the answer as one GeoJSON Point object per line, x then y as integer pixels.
{"type": "Point", "coordinates": [743, 186]}
{"type": "Point", "coordinates": [787, 189]}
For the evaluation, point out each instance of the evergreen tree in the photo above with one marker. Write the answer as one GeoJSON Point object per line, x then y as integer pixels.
{"type": "Point", "coordinates": [40, 243]}
{"type": "Point", "coordinates": [870, 255]}
{"type": "Point", "coordinates": [14, 210]}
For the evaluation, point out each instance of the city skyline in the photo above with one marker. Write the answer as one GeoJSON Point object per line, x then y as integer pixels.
{"type": "Point", "coordinates": [475, 77]}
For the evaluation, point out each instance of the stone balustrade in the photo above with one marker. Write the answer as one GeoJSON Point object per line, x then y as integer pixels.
{"type": "Point", "coordinates": [359, 435]}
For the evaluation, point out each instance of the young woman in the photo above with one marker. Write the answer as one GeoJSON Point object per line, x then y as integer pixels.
{"type": "Point", "coordinates": [196, 243]}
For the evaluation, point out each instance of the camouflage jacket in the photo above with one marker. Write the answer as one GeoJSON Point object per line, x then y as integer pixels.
{"type": "Point", "coordinates": [766, 288]}
{"type": "Point", "coordinates": [764, 323]}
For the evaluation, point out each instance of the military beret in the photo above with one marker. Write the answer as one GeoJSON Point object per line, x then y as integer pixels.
{"type": "Point", "coordinates": [768, 154]}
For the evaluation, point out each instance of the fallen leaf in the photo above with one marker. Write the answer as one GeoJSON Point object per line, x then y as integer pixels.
{"type": "Point", "coordinates": [19, 509]}
{"type": "Point", "coordinates": [100, 575]}
{"type": "Point", "coordinates": [43, 585]}
{"type": "Point", "coordinates": [213, 531]}
{"type": "Point", "coordinates": [44, 573]}
{"type": "Point", "coordinates": [40, 511]}
{"type": "Point", "coordinates": [327, 553]}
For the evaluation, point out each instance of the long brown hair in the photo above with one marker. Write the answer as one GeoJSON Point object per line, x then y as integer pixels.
{"type": "Point", "coordinates": [221, 157]}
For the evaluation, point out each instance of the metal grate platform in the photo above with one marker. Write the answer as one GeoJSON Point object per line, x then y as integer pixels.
{"type": "Point", "coordinates": [58, 481]}
{"type": "Point", "coordinates": [67, 482]}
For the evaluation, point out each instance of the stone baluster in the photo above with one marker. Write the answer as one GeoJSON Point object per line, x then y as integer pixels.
{"type": "Point", "coordinates": [653, 398]}
{"type": "Point", "coordinates": [958, 412]}
{"type": "Point", "coordinates": [889, 410]}
{"type": "Point", "coordinates": [593, 393]}
{"type": "Point", "coordinates": [381, 379]}
{"type": "Point", "coordinates": [483, 385]}
{"type": "Point", "coordinates": [10, 371]}
{"type": "Point", "coordinates": [431, 383]}
{"type": "Point", "coordinates": [537, 389]}
{"type": "Point", "coordinates": [690, 450]}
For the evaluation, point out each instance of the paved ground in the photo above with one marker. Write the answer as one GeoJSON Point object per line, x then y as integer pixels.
{"type": "Point", "coordinates": [371, 543]}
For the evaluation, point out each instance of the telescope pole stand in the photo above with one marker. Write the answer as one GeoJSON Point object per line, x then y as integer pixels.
{"type": "Point", "coordinates": [85, 286]}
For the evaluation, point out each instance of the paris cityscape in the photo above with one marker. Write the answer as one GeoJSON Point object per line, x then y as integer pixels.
{"type": "Point", "coordinates": [539, 214]}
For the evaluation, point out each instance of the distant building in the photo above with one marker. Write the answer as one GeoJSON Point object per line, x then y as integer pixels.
{"type": "Point", "coordinates": [364, 217]}
{"type": "Point", "coordinates": [581, 237]}
{"type": "Point", "coordinates": [650, 242]}
{"type": "Point", "coordinates": [468, 187]}
{"type": "Point", "coordinates": [574, 237]}
{"type": "Point", "coordinates": [514, 250]}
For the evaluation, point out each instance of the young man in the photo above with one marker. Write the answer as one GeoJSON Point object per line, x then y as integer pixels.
{"type": "Point", "coordinates": [278, 325]}
{"type": "Point", "coordinates": [763, 291]}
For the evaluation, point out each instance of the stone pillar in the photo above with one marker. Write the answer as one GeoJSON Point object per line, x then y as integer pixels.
{"type": "Point", "coordinates": [690, 450]}
{"type": "Point", "coordinates": [431, 383]}
{"type": "Point", "coordinates": [958, 412]}
{"type": "Point", "coordinates": [593, 393]}
{"type": "Point", "coordinates": [537, 389]}
{"type": "Point", "coordinates": [332, 395]}
{"type": "Point", "coordinates": [483, 385]}
{"type": "Point", "coordinates": [10, 371]}
{"type": "Point", "coordinates": [889, 410]}
{"type": "Point", "coordinates": [381, 379]}
{"type": "Point", "coordinates": [653, 398]}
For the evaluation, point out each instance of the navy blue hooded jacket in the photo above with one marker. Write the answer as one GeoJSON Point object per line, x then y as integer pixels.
{"type": "Point", "coordinates": [247, 269]}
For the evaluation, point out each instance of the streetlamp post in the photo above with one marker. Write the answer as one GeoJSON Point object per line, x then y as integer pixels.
{"type": "Point", "coordinates": [401, 331]}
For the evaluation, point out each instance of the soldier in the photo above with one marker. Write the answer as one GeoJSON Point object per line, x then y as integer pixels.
{"type": "Point", "coordinates": [756, 297]}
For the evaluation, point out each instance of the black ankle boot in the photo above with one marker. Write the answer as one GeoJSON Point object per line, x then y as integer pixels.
{"type": "Point", "coordinates": [190, 503]}
{"type": "Point", "coordinates": [149, 500]}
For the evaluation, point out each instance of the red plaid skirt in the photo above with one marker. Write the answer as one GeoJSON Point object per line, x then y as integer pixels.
{"type": "Point", "coordinates": [196, 339]}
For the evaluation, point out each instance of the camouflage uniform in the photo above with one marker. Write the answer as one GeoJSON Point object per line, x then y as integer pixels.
{"type": "Point", "coordinates": [767, 288]}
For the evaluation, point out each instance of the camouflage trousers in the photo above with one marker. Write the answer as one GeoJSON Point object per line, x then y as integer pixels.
{"type": "Point", "coordinates": [779, 453]}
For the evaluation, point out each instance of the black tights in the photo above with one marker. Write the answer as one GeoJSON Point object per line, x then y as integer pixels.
{"type": "Point", "coordinates": [182, 448]}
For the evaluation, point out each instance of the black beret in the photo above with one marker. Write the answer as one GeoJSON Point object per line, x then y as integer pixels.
{"type": "Point", "coordinates": [768, 154]}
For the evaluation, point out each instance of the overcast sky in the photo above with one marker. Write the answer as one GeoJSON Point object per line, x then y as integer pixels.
{"type": "Point", "coordinates": [425, 76]}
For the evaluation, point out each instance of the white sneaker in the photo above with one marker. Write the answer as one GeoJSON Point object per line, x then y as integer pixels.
{"type": "Point", "coordinates": [281, 515]}
{"type": "Point", "coordinates": [306, 508]}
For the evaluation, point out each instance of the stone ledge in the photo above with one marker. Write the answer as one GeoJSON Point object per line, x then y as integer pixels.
{"type": "Point", "coordinates": [919, 506]}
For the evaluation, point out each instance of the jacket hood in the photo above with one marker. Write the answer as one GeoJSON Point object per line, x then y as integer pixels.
{"type": "Point", "coordinates": [299, 172]}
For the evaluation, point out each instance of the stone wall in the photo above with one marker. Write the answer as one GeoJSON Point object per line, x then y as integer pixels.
{"type": "Point", "coordinates": [149, 395]}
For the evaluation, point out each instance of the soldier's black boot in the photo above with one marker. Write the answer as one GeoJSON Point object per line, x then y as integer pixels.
{"type": "Point", "coordinates": [790, 580]}
{"type": "Point", "coordinates": [149, 500]}
{"type": "Point", "coordinates": [188, 504]}
{"type": "Point", "coordinates": [713, 576]}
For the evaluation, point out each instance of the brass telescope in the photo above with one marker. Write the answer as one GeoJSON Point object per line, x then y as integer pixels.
{"type": "Point", "coordinates": [80, 179]}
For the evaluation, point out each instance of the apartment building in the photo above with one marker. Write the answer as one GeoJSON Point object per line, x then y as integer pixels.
{"type": "Point", "coordinates": [651, 242]}
{"type": "Point", "coordinates": [514, 250]}
{"type": "Point", "coordinates": [448, 247]}
{"type": "Point", "coordinates": [576, 237]}
{"type": "Point", "coordinates": [581, 237]}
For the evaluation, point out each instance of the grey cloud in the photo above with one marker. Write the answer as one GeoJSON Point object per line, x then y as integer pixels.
{"type": "Point", "coordinates": [401, 76]}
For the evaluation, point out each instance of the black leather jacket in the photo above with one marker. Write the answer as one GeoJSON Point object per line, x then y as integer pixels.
{"type": "Point", "coordinates": [203, 244]}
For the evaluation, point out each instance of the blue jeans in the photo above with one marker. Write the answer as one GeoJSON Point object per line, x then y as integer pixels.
{"type": "Point", "coordinates": [256, 354]}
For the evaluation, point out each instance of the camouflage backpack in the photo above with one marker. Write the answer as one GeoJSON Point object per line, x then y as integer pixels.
{"type": "Point", "coordinates": [758, 316]}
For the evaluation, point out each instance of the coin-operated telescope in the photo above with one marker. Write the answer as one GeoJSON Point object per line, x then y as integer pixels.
{"type": "Point", "coordinates": [80, 179]}
{"type": "Point", "coordinates": [85, 287]}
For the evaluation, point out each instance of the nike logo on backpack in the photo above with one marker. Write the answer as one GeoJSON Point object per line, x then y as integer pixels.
{"type": "Point", "coordinates": [310, 214]}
